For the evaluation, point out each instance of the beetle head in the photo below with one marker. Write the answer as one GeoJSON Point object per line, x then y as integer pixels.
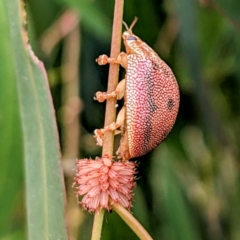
{"type": "Point", "coordinates": [130, 40]}
{"type": "Point", "coordinates": [134, 45]}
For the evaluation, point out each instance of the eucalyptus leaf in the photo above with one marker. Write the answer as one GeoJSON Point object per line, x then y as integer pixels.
{"type": "Point", "coordinates": [43, 175]}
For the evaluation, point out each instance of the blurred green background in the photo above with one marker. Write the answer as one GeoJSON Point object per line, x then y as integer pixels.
{"type": "Point", "coordinates": [187, 188]}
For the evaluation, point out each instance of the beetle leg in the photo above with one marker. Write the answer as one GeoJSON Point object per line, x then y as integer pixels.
{"type": "Point", "coordinates": [99, 133]}
{"type": "Point", "coordinates": [123, 150]}
{"type": "Point", "coordinates": [121, 59]}
{"type": "Point", "coordinates": [104, 59]}
{"type": "Point", "coordinates": [122, 88]}
{"type": "Point", "coordinates": [119, 92]}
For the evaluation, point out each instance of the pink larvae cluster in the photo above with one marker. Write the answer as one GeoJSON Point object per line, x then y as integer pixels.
{"type": "Point", "coordinates": [103, 182]}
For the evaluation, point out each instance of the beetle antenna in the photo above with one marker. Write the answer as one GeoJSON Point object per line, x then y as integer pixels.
{"type": "Point", "coordinates": [126, 26]}
{"type": "Point", "coordinates": [129, 29]}
{"type": "Point", "coordinates": [133, 23]}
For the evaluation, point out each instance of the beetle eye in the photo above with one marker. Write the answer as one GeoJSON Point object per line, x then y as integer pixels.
{"type": "Point", "coordinates": [131, 38]}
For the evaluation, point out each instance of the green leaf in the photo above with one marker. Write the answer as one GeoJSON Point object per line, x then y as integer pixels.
{"type": "Point", "coordinates": [11, 155]}
{"type": "Point", "coordinates": [44, 180]}
{"type": "Point", "coordinates": [179, 222]}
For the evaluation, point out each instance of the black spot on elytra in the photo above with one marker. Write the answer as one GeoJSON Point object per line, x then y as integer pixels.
{"type": "Point", "coordinates": [170, 104]}
{"type": "Point", "coordinates": [155, 66]}
{"type": "Point", "coordinates": [165, 133]}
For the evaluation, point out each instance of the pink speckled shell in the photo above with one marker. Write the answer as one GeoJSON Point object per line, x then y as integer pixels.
{"type": "Point", "coordinates": [152, 102]}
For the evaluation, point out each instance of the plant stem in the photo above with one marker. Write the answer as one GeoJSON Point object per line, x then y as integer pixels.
{"type": "Point", "coordinates": [97, 225]}
{"type": "Point", "coordinates": [110, 115]}
{"type": "Point", "coordinates": [132, 222]}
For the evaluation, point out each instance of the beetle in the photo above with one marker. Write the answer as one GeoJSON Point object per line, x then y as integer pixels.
{"type": "Point", "coordinates": [151, 98]}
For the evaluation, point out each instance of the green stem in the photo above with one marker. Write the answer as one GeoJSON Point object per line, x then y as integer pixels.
{"type": "Point", "coordinates": [97, 225]}
{"type": "Point", "coordinates": [132, 222]}
{"type": "Point", "coordinates": [110, 115]}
